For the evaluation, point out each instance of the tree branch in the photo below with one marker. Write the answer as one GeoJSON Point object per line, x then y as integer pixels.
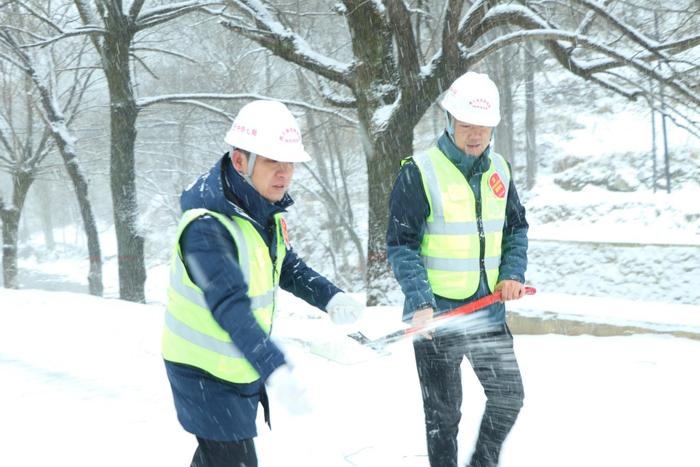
{"type": "Point", "coordinates": [284, 43]}
{"type": "Point", "coordinates": [165, 13]}
{"type": "Point", "coordinates": [470, 27]}
{"type": "Point", "coordinates": [7, 58]}
{"type": "Point", "coordinates": [54, 114]}
{"type": "Point", "coordinates": [79, 31]}
{"type": "Point", "coordinates": [135, 9]}
{"type": "Point", "coordinates": [87, 18]}
{"type": "Point", "coordinates": [164, 51]}
{"type": "Point", "coordinates": [196, 103]}
{"type": "Point", "coordinates": [143, 64]}
{"type": "Point", "coordinates": [674, 47]}
{"type": "Point", "coordinates": [550, 38]}
{"type": "Point", "coordinates": [373, 54]}
{"type": "Point", "coordinates": [587, 22]}
{"type": "Point", "coordinates": [447, 65]}
{"type": "Point", "coordinates": [73, 110]}
{"type": "Point", "coordinates": [183, 98]}
{"type": "Point", "coordinates": [680, 45]}
{"type": "Point", "coordinates": [40, 16]}
{"type": "Point", "coordinates": [336, 100]}
{"type": "Point", "coordinates": [627, 30]}
{"type": "Point", "coordinates": [450, 29]}
{"type": "Point", "coordinates": [402, 29]}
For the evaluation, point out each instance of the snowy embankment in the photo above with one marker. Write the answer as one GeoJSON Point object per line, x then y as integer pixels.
{"type": "Point", "coordinates": [598, 228]}
{"type": "Point", "coordinates": [649, 272]}
{"type": "Point", "coordinates": [83, 385]}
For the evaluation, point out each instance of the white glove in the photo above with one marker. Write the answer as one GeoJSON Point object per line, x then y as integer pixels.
{"type": "Point", "coordinates": [283, 387]}
{"type": "Point", "coordinates": [343, 309]}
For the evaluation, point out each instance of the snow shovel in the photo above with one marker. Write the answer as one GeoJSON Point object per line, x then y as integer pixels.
{"type": "Point", "coordinates": [379, 343]}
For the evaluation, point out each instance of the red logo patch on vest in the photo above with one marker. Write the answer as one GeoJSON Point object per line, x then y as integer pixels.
{"type": "Point", "coordinates": [285, 235]}
{"type": "Point", "coordinates": [497, 186]}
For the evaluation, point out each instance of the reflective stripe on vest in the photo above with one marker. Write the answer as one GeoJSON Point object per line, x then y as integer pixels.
{"type": "Point", "coordinates": [450, 247]}
{"type": "Point", "coordinates": [191, 335]}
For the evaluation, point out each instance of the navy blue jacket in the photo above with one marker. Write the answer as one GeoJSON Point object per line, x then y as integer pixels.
{"type": "Point", "coordinates": [207, 406]}
{"type": "Point", "coordinates": [408, 211]}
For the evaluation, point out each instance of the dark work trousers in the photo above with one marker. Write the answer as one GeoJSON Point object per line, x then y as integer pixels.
{"type": "Point", "coordinates": [225, 454]}
{"type": "Point", "coordinates": [493, 360]}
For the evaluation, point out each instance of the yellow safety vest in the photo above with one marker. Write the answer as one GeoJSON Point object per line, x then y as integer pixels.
{"type": "Point", "coordinates": [450, 247]}
{"type": "Point", "coordinates": [191, 335]}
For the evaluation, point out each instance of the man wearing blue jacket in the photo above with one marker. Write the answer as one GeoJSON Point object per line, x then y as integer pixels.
{"type": "Point", "coordinates": [457, 232]}
{"type": "Point", "coordinates": [231, 254]}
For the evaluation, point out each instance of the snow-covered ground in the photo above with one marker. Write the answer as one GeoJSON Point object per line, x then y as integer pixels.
{"type": "Point", "coordinates": [84, 385]}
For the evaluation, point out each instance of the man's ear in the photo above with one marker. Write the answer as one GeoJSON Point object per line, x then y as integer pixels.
{"type": "Point", "coordinates": [239, 161]}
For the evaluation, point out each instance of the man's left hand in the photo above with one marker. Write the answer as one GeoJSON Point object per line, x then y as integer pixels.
{"type": "Point", "coordinates": [343, 309]}
{"type": "Point", "coordinates": [510, 290]}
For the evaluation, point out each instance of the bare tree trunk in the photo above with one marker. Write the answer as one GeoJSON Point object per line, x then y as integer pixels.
{"type": "Point", "coordinates": [123, 112]}
{"type": "Point", "coordinates": [530, 122]}
{"type": "Point", "coordinates": [89, 224]}
{"type": "Point", "coordinates": [10, 228]}
{"type": "Point", "coordinates": [80, 185]}
{"type": "Point", "coordinates": [383, 163]}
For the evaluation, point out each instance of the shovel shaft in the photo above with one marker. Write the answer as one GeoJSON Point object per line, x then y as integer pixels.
{"type": "Point", "coordinates": [435, 322]}
{"type": "Point", "coordinates": [471, 307]}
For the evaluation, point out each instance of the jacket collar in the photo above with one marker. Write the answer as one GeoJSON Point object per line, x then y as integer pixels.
{"type": "Point", "coordinates": [224, 190]}
{"type": "Point", "coordinates": [243, 194]}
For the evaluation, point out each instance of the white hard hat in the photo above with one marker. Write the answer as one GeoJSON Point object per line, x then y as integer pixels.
{"type": "Point", "coordinates": [268, 129]}
{"type": "Point", "coordinates": [473, 98]}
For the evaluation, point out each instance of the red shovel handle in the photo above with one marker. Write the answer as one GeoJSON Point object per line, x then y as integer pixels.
{"type": "Point", "coordinates": [462, 310]}
{"type": "Point", "coordinates": [465, 310]}
{"type": "Point", "coordinates": [479, 304]}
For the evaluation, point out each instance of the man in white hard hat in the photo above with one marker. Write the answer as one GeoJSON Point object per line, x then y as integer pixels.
{"type": "Point", "coordinates": [231, 253]}
{"type": "Point", "coordinates": [457, 232]}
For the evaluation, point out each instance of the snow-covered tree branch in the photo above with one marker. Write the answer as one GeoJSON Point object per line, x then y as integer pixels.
{"type": "Point", "coordinates": [262, 28]}
{"type": "Point", "coordinates": [195, 98]}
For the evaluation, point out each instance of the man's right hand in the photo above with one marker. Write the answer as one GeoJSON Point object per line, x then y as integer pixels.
{"type": "Point", "coordinates": [421, 318]}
